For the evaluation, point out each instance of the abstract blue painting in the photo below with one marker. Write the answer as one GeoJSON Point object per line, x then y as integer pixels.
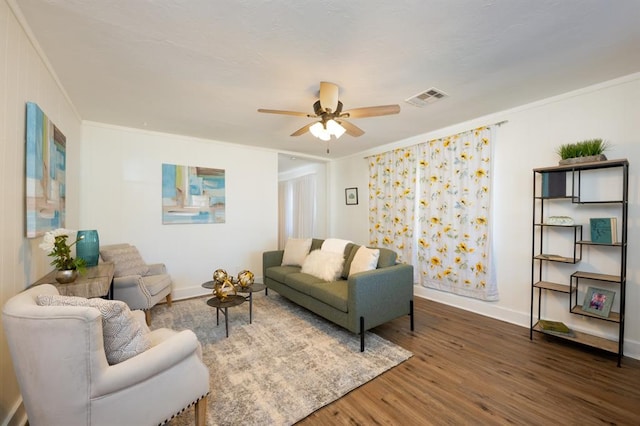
{"type": "Point", "coordinates": [45, 158]}
{"type": "Point", "coordinates": [192, 194]}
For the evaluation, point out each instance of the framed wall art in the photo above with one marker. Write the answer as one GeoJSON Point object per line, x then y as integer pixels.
{"type": "Point", "coordinates": [192, 194]}
{"type": "Point", "coordinates": [45, 166]}
{"type": "Point", "coordinates": [598, 301]}
{"type": "Point", "coordinates": [351, 196]}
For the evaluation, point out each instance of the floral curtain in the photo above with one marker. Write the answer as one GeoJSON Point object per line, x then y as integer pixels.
{"type": "Point", "coordinates": [392, 189]}
{"type": "Point", "coordinates": [436, 211]}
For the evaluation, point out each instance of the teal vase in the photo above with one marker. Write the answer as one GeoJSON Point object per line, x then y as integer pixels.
{"type": "Point", "coordinates": [88, 248]}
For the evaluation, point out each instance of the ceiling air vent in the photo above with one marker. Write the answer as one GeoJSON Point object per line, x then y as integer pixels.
{"type": "Point", "coordinates": [429, 96]}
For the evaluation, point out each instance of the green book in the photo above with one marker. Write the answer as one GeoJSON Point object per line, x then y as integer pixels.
{"type": "Point", "coordinates": [603, 230]}
{"type": "Point", "coordinates": [554, 327]}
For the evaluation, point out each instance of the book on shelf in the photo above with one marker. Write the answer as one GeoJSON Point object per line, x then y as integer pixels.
{"type": "Point", "coordinates": [555, 327]}
{"type": "Point", "coordinates": [554, 184]}
{"type": "Point", "coordinates": [604, 230]}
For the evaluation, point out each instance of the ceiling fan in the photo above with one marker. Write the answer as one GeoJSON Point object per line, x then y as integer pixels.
{"type": "Point", "coordinates": [332, 118]}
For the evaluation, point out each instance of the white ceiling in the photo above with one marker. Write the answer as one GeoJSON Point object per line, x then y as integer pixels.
{"type": "Point", "coordinates": [203, 67]}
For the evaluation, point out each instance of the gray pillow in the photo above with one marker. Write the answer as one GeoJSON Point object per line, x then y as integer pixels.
{"type": "Point", "coordinates": [127, 261]}
{"type": "Point", "coordinates": [124, 337]}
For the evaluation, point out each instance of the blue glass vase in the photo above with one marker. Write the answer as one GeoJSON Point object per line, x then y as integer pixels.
{"type": "Point", "coordinates": [88, 248]}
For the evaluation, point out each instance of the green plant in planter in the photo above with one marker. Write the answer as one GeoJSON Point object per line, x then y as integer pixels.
{"type": "Point", "coordinates": [585, 148]}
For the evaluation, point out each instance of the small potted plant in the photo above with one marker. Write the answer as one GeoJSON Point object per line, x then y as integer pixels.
{"type": "Point", "coordinates": [583, 152]}
{"type": "Point", "coordinates": [55, 243]}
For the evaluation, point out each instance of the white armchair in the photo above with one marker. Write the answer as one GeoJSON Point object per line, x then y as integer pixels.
{"type": "Point", "coordinates": [139, 285]}
{"type": "Point", "coordinates": [59, 358]}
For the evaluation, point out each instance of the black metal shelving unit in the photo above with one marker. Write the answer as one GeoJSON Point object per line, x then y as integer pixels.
{"type": "Point", "coordinates": [542, 200]}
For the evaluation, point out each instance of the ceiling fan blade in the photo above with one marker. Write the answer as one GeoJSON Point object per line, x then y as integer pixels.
{"type": "Point", "coordinates": [302, 130]}
{"type": "Point", "coordinates": [352, 129]}
{"type": "Point", "coordinates": [277, 111]}
{"type": "Point", "coordinates": [373, 111]}
{"type": "Point", "coordinates": [328, 96]}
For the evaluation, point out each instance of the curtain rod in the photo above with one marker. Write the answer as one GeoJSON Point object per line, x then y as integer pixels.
{"type": "Point", "coordinates": [499, 123]}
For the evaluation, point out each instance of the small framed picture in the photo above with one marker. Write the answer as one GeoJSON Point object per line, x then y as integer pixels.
{"type": "Point", "coordinates": [598, 301]}
{"type": "Point", "coordinates": [351, 196]}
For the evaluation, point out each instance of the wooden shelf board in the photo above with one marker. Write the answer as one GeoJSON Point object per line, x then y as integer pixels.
{"type": "Point", "coordinates": [584, 166]}
{"type": "Point", "coordinates": [591, 243]}
{"type": "Point", "coordinates": [585, 339]}
{"type": "Point", "coordinates": [613, 316]}
{"type": "Point", "coordinates": [546, 285]}
{"type": "Point", "coordinates": [596, 276]}
{"type": "Point", "coordinates": [555, 258]}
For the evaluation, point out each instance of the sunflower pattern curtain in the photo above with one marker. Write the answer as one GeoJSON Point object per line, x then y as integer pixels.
{"type": "Point", "coordinates": [392, 189]}
{"type": "Point", "coordinates": [432, 203]}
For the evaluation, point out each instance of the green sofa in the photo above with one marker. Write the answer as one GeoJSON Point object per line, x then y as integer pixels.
{"type": "Point", "coordinates": [358, 302]}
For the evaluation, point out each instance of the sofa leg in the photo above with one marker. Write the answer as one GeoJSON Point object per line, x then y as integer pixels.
{"type": "Point", "coordinates": [147, 316]}
{"type": "Point", "coordinates": [169, 300]}
{"type": "Point", "coordinates": [411, 312]}
{"type": "Point", "coordinates": [361, 334]}
{"type": "Point", "coordinates": [201, 411]}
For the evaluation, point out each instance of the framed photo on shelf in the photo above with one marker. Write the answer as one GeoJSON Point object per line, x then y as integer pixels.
{"type": "Point", "coordinates": [598, 301]}
{"type": "Point", "coordinates": [351, 196]}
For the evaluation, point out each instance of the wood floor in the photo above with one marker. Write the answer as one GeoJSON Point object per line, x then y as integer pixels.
{"type": "Point", "coordinates": [468, 369]}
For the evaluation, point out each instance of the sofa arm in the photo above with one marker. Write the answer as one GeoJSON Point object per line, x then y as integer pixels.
{"type": "Point", "coordinates": [156, 269]}
{"type": "Point", "coordinates": [380, 295]}
{"type": "Point", "coordinates": [271, 258]}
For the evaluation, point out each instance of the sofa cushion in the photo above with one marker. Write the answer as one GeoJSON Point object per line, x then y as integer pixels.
{"type": "Point", "coordinates": [334, 293]}
{"type": "Point", "coordinates": [349, 251]}
{"type": "Point", "coordinates": [316, 244]}
{"type": "Point", "coordinates": [365, 259]}
{"type": "Point", "coordinates": [278, 273]}
{"type": "Point", "coordinates": [295, 251]}
{"type": "Point", "coordinates": [127, 261]}
{"type": "Point", "coordinates": [387, 257]}
{"type": "Point", "coordinates": [124, 337]}
{"type": "Point", "coordinates": [323, 264]}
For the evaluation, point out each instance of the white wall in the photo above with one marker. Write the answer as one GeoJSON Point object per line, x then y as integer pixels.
{"type": "Point", "coordinates": [609, 110]}
{"type": "Point", "coordinates": [121, 197]}
{"type": "Point", "coordinates": [24, 76]}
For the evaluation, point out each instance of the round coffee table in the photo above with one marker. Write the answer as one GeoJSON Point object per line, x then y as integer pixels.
{"type": "Point", "coordinates": [224, 305]}
{"type": "Point", "coordinates": [253, 288]}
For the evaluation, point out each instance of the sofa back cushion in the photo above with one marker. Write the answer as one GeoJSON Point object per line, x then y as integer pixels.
{"type": "Point", "coordinates": [387, 257]}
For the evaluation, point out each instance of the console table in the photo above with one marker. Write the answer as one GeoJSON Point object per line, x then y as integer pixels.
{"type": "Point", "coordinates": [96, 281]}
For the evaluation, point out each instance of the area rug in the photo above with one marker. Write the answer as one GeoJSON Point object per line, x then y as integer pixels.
{"type": "Point", "coordinates": [284, 366]}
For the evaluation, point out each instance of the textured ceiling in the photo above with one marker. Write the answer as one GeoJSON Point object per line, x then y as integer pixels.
{"type": "Point", "coordinates": [203, 67]}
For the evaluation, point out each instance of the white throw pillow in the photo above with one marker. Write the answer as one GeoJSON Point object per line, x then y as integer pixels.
{"type": "Point", "coordinates": [325, 265]}
{"type": "Point", "coordinates": [123, 335]}
{"type": "Point", "coordinates": [366, 259]}
{"type": "Point", "coordinates": [296, 251]}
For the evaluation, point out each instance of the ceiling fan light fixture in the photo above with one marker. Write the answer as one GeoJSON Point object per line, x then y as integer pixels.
{"type": "Point", "coordinates": [317, 129]}
{"type": "Point", "coordinates": [334, 128]}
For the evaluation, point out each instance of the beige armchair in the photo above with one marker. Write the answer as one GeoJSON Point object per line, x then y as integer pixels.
{"type": "Point", "coordinates": [139, 285]}
{"type": "Point", "coordinates": [58, 354]}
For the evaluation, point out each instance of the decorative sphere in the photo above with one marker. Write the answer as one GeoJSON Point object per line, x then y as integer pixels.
{"type": "Point", "coordinates": [223, 289]}
{"type": "Point", "coordinates": [220, 275]}
{"type": "Point", "coordinates": [245, 278]}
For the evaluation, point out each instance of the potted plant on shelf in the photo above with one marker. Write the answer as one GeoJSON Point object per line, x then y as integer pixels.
{"type": "Point", "coordinates": [583, 152]}
{"type": "Point", "coordinates": [55, 243]}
